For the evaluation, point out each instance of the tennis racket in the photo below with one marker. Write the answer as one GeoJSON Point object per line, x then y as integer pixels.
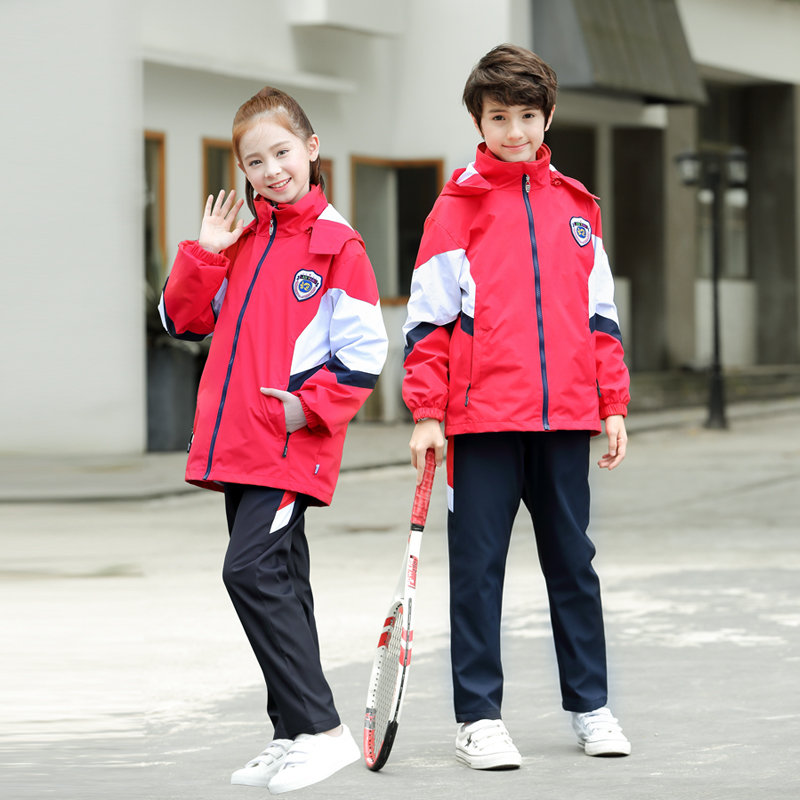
{"type": "Point", "coordinates": [389, 680]}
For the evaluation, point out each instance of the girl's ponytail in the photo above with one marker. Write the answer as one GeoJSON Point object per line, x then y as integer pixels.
{"type": "Point", "coordinates": [270, 102]}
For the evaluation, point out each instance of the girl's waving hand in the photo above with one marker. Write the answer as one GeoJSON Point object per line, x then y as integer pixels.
{"type": "Point", "coordinates": [218, 216]}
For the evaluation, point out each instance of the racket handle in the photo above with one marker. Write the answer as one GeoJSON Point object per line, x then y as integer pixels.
{"type": "Point", "coordinates": [422, 497]}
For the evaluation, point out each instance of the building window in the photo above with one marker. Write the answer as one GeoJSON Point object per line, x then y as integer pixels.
{"type": "Point", "coordinates": [219, 167]}
{"type": "Point", "coordinates": [326, 167]}
{"type": "Point", "coordinates": [391, 201]}
{"type": "Point", "coordinates": [154, 217]}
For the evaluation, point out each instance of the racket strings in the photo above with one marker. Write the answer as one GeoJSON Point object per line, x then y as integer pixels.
{"type": "Point", "coordinates": [386, 681]}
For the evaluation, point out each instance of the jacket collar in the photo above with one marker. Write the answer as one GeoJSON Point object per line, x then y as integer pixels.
{"type": "Point", "coordinates": [489, 172]}
{"type": "Point", "coordinates": [291, 218]}
{"type": "Point", "coordinates": [312, 214]}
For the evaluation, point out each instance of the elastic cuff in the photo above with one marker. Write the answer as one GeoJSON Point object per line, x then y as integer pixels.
{"type": "Point", "coordinates": [614, 408]}
{"type": "Point", "coordinates": [206, 256]}
{"type": "Point", "coordinates": [432, 413]}
{"type": "Point", "coordinates": [312, 420]}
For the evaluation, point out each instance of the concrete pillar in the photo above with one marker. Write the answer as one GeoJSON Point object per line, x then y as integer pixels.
{"type": "Point", "coordinates": [773, 142]}
{"type": "Point", "coordinates": [680, 239]}
{"type": "Point", "coordinates": [73, 372]}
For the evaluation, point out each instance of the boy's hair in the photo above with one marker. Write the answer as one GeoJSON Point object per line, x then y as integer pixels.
{"type": "Point", "coordinates": [272, 103]}
{"type": "Point", "coordinates": [513, 76]}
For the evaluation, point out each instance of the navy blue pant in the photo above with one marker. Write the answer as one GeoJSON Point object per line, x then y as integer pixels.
{"type": "Point", "coordinates": [490, 474]}
{"type": "Point", "coordinates": [267, 575]}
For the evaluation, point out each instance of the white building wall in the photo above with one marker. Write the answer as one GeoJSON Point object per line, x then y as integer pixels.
{"type": "Point", "coordinates": [73, 320]}
{"type": "Point", "coordinates": [753, 38]}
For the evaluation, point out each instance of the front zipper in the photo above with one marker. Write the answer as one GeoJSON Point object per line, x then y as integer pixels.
{"type": "Point", "coordinates": [526, 186]}
{"type": "Point", "coordinates": [272, 230]}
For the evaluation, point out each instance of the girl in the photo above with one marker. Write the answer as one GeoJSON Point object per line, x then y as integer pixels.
{"type": "Point", "coordinates": [298, 345]}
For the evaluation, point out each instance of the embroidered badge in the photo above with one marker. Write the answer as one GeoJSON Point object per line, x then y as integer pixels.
{"type": "Point", "coordinates": [581, 230]}
{"type": "Point", "coordinates": [306, 284]}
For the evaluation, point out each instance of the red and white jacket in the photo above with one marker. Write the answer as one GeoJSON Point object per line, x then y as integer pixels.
{"type": "Point", "coordinates": [292, 305]}
{"type": "Point", "coordinates": [511, 321]}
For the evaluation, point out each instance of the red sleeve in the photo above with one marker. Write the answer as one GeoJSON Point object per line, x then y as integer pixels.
{"type": "Point", "coordinates": [193, 292]}
{"type": "Point", "coordinates": [613, 381]}
{"type": "Point", "coordinates": [433, 306]}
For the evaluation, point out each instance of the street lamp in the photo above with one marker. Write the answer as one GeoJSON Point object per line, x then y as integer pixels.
{"type": "Point", "coordinates": [716, 171]}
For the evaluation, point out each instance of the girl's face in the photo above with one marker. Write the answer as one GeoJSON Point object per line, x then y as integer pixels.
{"type": "Point", "coordinates": [276, 162]}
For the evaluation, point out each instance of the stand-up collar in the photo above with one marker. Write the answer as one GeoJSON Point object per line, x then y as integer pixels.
{"type": "Point", "coordinates": [292, 218]}
{"type": "Point", "coordinates": [500, 173]}
{"type": "Point", "coordinates": [489, 172]}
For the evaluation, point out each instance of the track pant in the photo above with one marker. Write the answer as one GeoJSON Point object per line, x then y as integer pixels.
{"type": "Point", "coordinates": [267, 575]}
{"type": "Point", "coordinates": [490, 473]}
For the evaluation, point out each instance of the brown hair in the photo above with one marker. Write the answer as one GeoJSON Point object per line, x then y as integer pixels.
{"type": "Point", "coordinates": [513, 76]}
{"type": "Point", "coordinates": [273, 103]}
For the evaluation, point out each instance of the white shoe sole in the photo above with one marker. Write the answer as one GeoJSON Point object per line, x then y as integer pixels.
{"type": "Point", "coordinates": [261, 782]}
{"type": "Point", "coordinates": [292, 778]}
{"type": "Point", "coordinates": [510, 760]}
{"type": "Point", "coordinates": [606, 747]}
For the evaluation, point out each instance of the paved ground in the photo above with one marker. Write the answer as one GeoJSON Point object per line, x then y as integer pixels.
{"type": "Point", "coordinates": [125, 673]}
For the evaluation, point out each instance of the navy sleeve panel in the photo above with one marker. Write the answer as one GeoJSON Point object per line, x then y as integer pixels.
{"type": "Point", "coordinates": [467, 324]}
{"type": "Point", "coordinates": [605, 325]}
{"type": "Point", "coordinates": [350, 377]}
{"type": "Point", "coordinates": [418, 333]}
{"type": "Point", "coordinates": [296, 381]}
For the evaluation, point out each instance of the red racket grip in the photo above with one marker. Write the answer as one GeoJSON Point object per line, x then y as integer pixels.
{"type": "Point", "coordinates": [422, 497]}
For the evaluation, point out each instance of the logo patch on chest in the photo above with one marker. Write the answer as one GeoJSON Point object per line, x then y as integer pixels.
{"type": "Point", "coordinates": [581, 230]}
{"type": "Point", "coordinates": [306, 284]}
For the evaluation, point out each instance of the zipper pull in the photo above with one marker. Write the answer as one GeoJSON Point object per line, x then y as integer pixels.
{"type": "Point", "coordinates": [466, 395]}
{"type": "Point", "coordinates": [271, 226]}
{"type": "Point", "coordinates": [286, 447]}
{"type": "Point", "coordinates": [527, 184]}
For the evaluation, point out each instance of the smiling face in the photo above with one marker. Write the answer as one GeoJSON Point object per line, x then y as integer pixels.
{"type": "Point", "coordinates": [276, 162]}
{"type": "Point", "coordinates": [512, 133]}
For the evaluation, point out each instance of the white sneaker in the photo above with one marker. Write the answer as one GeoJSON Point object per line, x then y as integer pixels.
{"type": "Point", "coordinates": [260, 771]}
{"type": "Point", "coordinates": [313, 758]}
{"type": "Point", "coordinates": [486, 744]}
{"type": "Point", "coordinates": [599, 733]}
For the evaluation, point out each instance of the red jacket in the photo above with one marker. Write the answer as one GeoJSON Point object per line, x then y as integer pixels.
{"type": "Point", "coordinates": [511, 320]}
{"type": "Point", "coordinates": [292, 305]}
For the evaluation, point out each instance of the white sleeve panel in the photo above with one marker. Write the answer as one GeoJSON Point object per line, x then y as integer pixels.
{"type": "Point", "coordinates": [440, 289]}
{"type": "Point", "coordinates": [357, 333]}
{"type": "Point", "coordinates": [345, 327]}
{"type": "Point", "coordinates": [313, 346]}
{"type": "Point", "coordinates": [601, 285]}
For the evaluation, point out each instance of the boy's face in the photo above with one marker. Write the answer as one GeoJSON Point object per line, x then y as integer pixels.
{"type": "Point", "coordinates": [512, 133]}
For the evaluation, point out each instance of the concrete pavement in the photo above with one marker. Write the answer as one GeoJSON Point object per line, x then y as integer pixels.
{"type": "Point", "coordinates": [125, 673]}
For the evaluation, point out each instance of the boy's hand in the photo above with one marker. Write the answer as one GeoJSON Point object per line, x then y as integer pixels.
{"type": "Point", "coordinates": [292, 408]}
{"type": "Point", "coordinates": [617, 442]}
{"type": "Point", "coordinates": [427, 434]}
{"type": "Point", "coordinates": [215, 231]}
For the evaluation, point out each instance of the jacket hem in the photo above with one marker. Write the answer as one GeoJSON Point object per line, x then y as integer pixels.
{"type": "Point", "coordinates": [526, 425]}
{"type": "Point", "coordinates": [217, 480]}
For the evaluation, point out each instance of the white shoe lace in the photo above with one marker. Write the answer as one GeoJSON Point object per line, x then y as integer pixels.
{"type": "Point", "coordinates": [600, 721]}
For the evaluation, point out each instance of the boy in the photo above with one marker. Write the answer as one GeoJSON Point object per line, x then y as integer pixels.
{"type": "Point", "coordinates": [512, 334]}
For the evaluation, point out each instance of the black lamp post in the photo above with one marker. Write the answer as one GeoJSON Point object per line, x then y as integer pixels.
{"type": "Point", "coordinates": [717, 172]}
